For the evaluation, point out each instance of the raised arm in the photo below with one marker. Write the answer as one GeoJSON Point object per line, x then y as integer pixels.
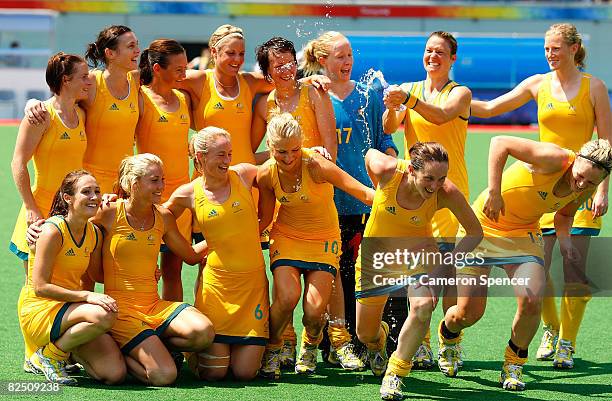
{"type": "Point", "coordinates": [521, 94]}
{"type": "Point", "coordinates": [326, 120]}
{"type": "Point", "coordinates": [380, 167]}
{"type": "Point", "coordinates": [393, 115]}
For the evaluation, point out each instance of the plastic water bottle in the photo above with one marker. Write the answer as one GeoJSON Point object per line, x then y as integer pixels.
{"type": "Point", "coordinates": [385, 85]}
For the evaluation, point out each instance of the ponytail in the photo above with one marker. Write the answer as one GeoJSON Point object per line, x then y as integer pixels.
{"type": "Point", "coordinates": [145, 68]}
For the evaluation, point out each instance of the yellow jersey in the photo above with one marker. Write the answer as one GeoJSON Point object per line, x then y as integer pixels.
{"type": "Point", "coordinates": [166, 134]}
{"type": "Point", "coordinates": [227, 225]}
{"type": "Point", "coordinates": [451, 135]}
{"type": "Point", "coordinates": [570, 125]}
{"type": "Point", "coordinates": [51, 163]}
{"type": "Point", "coordinates": [527, 196]}
{"type": "Point", "coordinates": [304, 114]}
{"type": "Point", "coordinates": [72, 259]}
{"type": "Point", "coordinates": [130, 256]}
{"type": "Point", "coordinates": [110, 127]}
{"type": "Point", "coordinates": [232, 114]}
{"type": "Point", "coordinates": [308, 213]}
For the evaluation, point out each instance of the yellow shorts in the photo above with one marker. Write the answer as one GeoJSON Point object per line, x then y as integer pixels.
{"type": "Point", "coordinates": [18, 244]}
{"type": "Point", "coordinates": [506, 247]}
{"type": "Point", "coordinates": [372, 281]}
{"type": "Point", "coordinates": [237, 304]}
{"type": "Point", "coordinates": [141, 317]}
{"type": "Point", "coordinates": [304, 254]}
{"type": "Point", "coordinates": [41, 318]}
{"type": "Point", "coordinates": [584, 223]}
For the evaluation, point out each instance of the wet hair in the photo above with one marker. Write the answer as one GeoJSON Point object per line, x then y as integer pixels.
{"type": "Point", "coordinates": [133, 168]}
{"type": "Point", "coordinates": [158, 52]}
{"type": "Point", "coordinates": [108, 38]}
{"type": "Point", "coordinates": [426, 152]}
{"type": "Point", "coordinates": [60, 207]}
{"type": "Point", "coordinates": [317, 48]}
{"type": "Point", "coordinates": [570, 36]}
{"type": "Point", "coordinates": [201, 142]}
{"type": "Point", "coordinates": [275, 45]}
{"type": "Point", "coordinates": [448, 38]}
{"type": "Point", "coordinates": [282, 126]}
{"type": "Point", "coordinates": [599, 153]}
{"type": "Point", "coordinates": [60, 65]}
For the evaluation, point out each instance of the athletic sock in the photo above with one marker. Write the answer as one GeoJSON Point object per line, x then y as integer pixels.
{"type": "Point", "coordinates": [338, 335]}
{"type": "Point", "coordinates": [573, 304]}
{"type": "Point", "coordinates": [447, 335]}
{"type": "Point", "coordinates": [289, 334]}
{"type": "Point", "coordinates": [515, 355]}
{"type": "Point", "coordinates": [311, 341]}
{"type": "Point", "coordinates": [427, 339]}
{"type": "Point", "coordinates": [550, 317]}
{"type": "Point", "coordinates": [274, 346]}
{"type": "Point", "coordinates": [53, 352]}
{"type": "Point", "coordinates": [398, 367]}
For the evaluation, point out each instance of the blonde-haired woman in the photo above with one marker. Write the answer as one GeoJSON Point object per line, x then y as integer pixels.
{"type": "Point", "coordinates": [134, 227]}
{"type": "Point", "coordinates": [571, 104]}
{"type": "Point", "coordinates": [358, 111]}
{"type": "Point", "coordinates": [305, 237]}
{"type": "Point", "coordinates": [232, 290]}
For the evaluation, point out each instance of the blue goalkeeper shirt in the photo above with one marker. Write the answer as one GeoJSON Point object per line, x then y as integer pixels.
{"type": "Point", "coordinates": [358, 128]}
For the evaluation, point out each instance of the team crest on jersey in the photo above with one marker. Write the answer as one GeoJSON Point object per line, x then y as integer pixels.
{"type": "Point", "coordinates": [213, 213]}
{"type": "Point", "coordinates": [65, 136]}
{"type": "Point", "coordinates": [390, 209]}
{"type": "Point", "coordinates": [555, 207]}
{"type": "Point", "coordinates": [218, 106]}
{"type": "Point", "coordinates": [114, 107]}
{"type": "Point", "coordinates": [82, 136]}
{"type": "Point", "coordinates": [543, 194]}
{"type": "Point", "coordinates": [151, 239]}
{"type": "Point", "coordinates": [162, 119]}
{"type": "Point", "coordinates": [240, 107]}
{"type": "Point", "coordinates": [415, 220]}
{"type": "Point", "coordinates": [283, 199]}
{"type": "Point", "coordinates": [70, 252]}
{"type": "Point", "coordinates": [130, 237]}
{"type": "Point", "coordinates": [275, 253]}
{"type": "Point", "coordinates": [184, 119]}
{"type": "Point", "coordinates": [132, 107]}
{"type": "Point", "coordinates": [304, 198]}
{"type": "Point", "coordinates": [571, 110]}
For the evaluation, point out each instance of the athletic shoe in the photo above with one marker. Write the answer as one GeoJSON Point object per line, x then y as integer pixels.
{"type": "Point", "coordinates": [423, 358]}
{"type": "Point", "coordinates": [564, 357]}
{"type": "Point", "coordinates": [461, 355]}
{"type": "Point", "coordinates": [270, 365]}
{"type": "Point", "coordinates": [449, 356]}
{"type": "Point", "coordinates": [53, 370]}
{"type": "Point", "coordinates": [391, 388]}
{"type": "Point", "coordinates": [511, 377]}
{"type": "Point", "coordinates": [378, 359]}
{"type": "Point", "coordinates": [346, 357]}
{"type": "Point", "coordinates": [287, 355]}
{"type": "Point", "coordinates": [306, 362]}
{"type": "Point", "coordinates": [29, 367]}
{"type": "Point", "coordinates": [547, 347]}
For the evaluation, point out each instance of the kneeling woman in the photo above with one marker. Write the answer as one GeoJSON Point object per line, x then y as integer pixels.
{"type": "Point", "coordinates": [233, 289]}
{"type": "Point", "coordinates": [134, 227]}
{"type": "Point", "coordinates": [305, 237]}
{"type": "Point", "coordinates": [55, 312]}
{"type": "Point", "coordinates": [545, 178]}
{"type": "Point", "coordinates": [408, 194]}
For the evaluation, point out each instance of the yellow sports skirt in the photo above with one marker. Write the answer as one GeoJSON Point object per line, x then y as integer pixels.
{"type": "Point", "coordinates": [584, 223]}
{"type": "Point", "coordinates": [374, 281]}
{"type": "Point", "coordinates": [505, 247]}
{"type": "Point", "coordinates": [140, 316]}
{"type": "Point", "coordinates": [40, 318]}
{"type": "Point", "coordinates": [19, 245]}
{"type": "Point", "coordinates": [237, 304]}
{"type": "Point", "coordinates": [305, 254]}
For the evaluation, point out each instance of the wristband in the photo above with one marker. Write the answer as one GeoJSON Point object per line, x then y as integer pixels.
{"type": "Point", "coordinates": [411, 101]}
